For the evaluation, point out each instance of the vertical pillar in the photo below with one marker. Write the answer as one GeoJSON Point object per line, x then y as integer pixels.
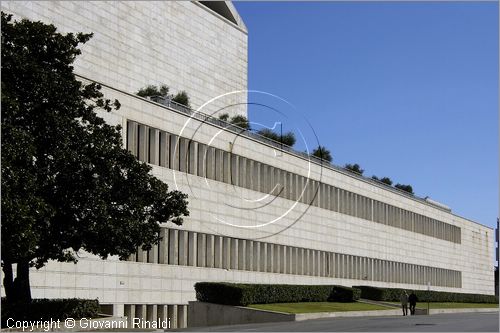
{"type": "Point", "coordinates": [151, 312]}
{"type": "Point", "coordinates": [249, 255]}
{"type": "Point", "coordinates": [173, 251]}
{"type": "Point", "coordinates": [241, 254]}
{"type": "Point", "coordinates": [132, 135]}
{"type": "Point", "coordinates": [234, 169]}
{"type": "Point", "coordinates": [295, 261]}
{"type": "Point", "coordinates": [270, 257]}
{"type": "Point", "coordinates": [248, 174]}
{"type": "Point", "coordinates": [193, 157]}
{"type": "Point", "coordinates": [302, 261]}
{"type": "Point", "coordinates": [226, 253]}
{"type": "Point", "coordinates": [276, 261]}
{"type": "Point", "coordinates": [193, 249]}
{"type": "Point", "coordinates": [130, 313]}
{"type": "Point", "coordinates": [163, 149]}
{"type": "Point", "coordinates": [182, 316]}
{"type": "Point", "coordinates": [283, 258]}
{"type": "Point", "coordinates": [219, 165]}
{"type": "Point", "coordinates": [256, 256]}
{"type": "Point", "coordinates": [143, 147]}
{"type": "Point", "coordinates": [172, 315]}
{"type": "Point", "coordinates": [183, 154]}
{"type": "Point", "coordinates": [319, 262]}
{"type": "Point", "coordinates": [210, 163]}
{"type": "Point", "coordinates": [202, 156]}
{"type": "Point", "coordinates": [310, 262]}
{"type": "Point", "coordinates": [226, 167]}
{"type": "Point", "coordinates": [174, 152]}
{"type": "Point", "coordinates": [154, 149]}
{"type": "Point", "coordinates": [162, 312]}
{"type": "Point", "coordinates": [324, 271]}
{"type": "Point", "coordinates": [202, 247]}
{"type": "Point", "coordinates": [142, 255]}
{"type": "Point", "coordinates": [263, 257]}
{"type": "Point", "coordinates": [218, 252]}
{"type": "Point", "coordinates": [355, 267]}
{"type": "Point", "coordinates": [234, 253]}
{"type": "Point", "coordinates": [242, 171]}
{"type": "Point", "coordinates": [332, 265]}
{"type": "Point", "coordinates": [210, 250]}
{"type": "Point", "coordinates": [163, 246]}
{"type": "Point", "coordinates": [290, 260]}
{"type": "Point", "coordinates": [153, 256]}
{"type": "Point", "coordinates": [183, 247]}
{"type": "Point", "coordinates": [140, 311]}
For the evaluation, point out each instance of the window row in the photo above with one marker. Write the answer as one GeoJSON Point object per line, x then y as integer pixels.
{"type": "Point", "coordinates": [171, 151]}
{"type": "Point", "coordinates": [187, 248]}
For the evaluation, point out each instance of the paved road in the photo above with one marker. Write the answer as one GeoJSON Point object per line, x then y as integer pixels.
{"type": "Point", "coordinates": [457, 322]}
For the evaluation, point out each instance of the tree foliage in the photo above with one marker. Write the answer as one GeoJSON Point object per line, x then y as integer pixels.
{"type": "Point", "coordinates": [224, 117]}
{"type": "Point", "coordinates": [354, 168]}
{"type": "Point", "coordinates": [240, 121]}
{"type": "Point", "coordinates": [67, 182]}
{"type": "Point", "coordinates": [385, 180]}
{"type": "Point", "coordinates": [152, 90]}
{"type": "Point", "coordinates": [406, 188]}
{"type": "Point", "coordinates": [322, 153]}
{"type": "Point", "coordinates": [182, 98]}
{"type": "Point", "coordinates": [237, 120]}
{"type": "Point", "coordinates": [288, 138]}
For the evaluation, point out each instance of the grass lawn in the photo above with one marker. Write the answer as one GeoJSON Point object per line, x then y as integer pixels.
{"type": "Point", "coordinates": [308, 307]}
{"type": "Point", "coordinates": [449, 305]}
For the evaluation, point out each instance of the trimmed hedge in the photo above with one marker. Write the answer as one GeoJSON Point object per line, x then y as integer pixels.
{"type": "Point", "coordinates": [394, 294]}
{"type": "Point", "coordinates": [46, 309]}
{"type": "Point", "coordinates": [245, 294]}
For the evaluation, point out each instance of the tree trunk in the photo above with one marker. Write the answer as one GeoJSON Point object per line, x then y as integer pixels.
{"type": "Point", "coordinates": [17, 290]}
{"type": "Point", "coordinates": [8, 283]}
{"type": "Point", "coordinates": [22, 282]}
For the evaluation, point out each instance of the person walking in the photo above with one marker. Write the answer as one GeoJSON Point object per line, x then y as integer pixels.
{"type": "Point", "coordinates": [413, 302]}
{"type": "Point", "coordinates": [404, 302]}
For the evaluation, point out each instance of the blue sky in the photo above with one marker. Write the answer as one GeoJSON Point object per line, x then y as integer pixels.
{"type": "Point", "coordinates": [407, 90]}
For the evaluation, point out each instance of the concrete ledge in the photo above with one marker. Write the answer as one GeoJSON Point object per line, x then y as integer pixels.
{"type": "Point", "coordinates": [210, 314]}
{"type": "Point", "coordinates": [464, 310]}
{"type": "Point", "coordinates": [341, 314]}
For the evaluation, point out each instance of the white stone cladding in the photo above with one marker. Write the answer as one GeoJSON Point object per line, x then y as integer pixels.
{"type": "Point", "coordinates": [127, 283]}
{"type": "Point", "coordinates": [179, 43]}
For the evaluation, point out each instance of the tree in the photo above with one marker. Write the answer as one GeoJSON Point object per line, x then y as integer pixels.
{"type": "Point", "coordinates": [224, 116]}
{"type": "Point", "coordinates": [354, 168]}
{"type": "Point", "coordinates": [152, 90]}
{"type": "Point", "coordinates": [182, 98]}
{"type": "Point", "coordinates": [322, 153]}
{"type": "Point", "coordinates": [67, 182]}
{"type": "Point", "coordinates": [385, 180]}
{"type": "Point", "coordinates": [287, 138]}
{"type": "Point", "coordinates": [240, 121]}
{"type": "Point", "coordinates": [406, 188]}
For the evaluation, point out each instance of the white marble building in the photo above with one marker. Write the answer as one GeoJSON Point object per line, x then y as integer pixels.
{"type": "Point", "coordinates": [256, 216]}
